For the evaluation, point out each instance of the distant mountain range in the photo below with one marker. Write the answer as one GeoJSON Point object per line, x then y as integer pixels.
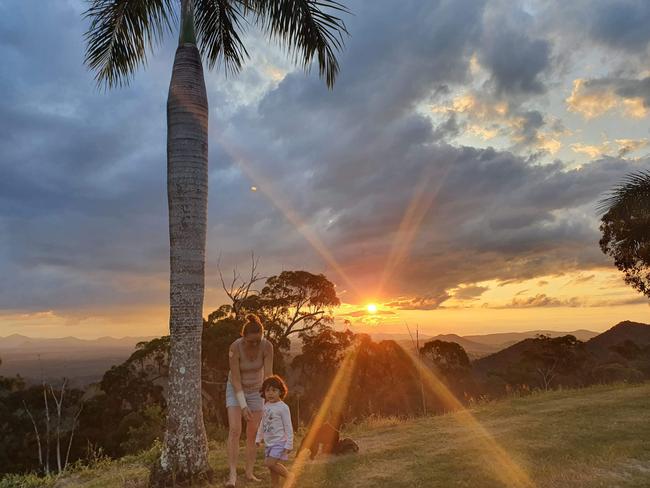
{"type": "Point", "coordinates": [83, 361]}
{"type": "Point", "coordinates": [24, 343]}
{"type": "Point", "coordinates": [598, 346]}
{"type": "Point", "coordinates": [478, 346]}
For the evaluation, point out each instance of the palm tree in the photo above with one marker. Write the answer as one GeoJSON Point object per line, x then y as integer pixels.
{"type": "Point", "coordinates": [120, 34]}
{"type": "Point", "coordinates": [625, 225]}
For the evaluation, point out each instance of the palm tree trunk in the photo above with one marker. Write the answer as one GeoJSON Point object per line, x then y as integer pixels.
{"type": "Point", "coordinates": [185, 452]}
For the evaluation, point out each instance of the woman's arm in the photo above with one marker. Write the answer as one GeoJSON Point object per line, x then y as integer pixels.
{"type": "Point", "coordinates": [268, 359]}
{"type": "Point", "coordinates": [235, 379]}
{"type": "Point", "coordinates": [233, 360]}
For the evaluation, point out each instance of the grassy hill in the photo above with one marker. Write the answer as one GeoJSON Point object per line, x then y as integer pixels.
{"type": "Point", "coordinates": [594, 437]}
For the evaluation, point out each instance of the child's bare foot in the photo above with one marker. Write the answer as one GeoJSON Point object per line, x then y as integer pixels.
{"type": "Point", "coordinates": [289, 481]}
{"type": "Point", "coordinates": [252, 477]}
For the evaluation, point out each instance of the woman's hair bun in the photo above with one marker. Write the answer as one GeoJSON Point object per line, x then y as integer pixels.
{"type": "Point", "coordinates": [251, 317]}
{"type": "Point", "coordinates": [253, 325]}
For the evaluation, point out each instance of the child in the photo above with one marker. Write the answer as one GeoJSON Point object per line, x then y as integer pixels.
{"type": "Point", "coordinates": [275, 428]}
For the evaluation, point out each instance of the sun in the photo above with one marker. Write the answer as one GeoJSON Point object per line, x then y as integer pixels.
{"type": "Point", "coordinates": [372, 308]}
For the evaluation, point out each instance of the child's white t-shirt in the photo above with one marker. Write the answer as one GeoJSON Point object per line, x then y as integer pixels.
{"type": "Point", "coordinates": [275, 427]}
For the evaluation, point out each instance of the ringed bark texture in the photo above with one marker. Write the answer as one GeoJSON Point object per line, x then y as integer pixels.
{"type": "Point", "coordinates": [185, 451]}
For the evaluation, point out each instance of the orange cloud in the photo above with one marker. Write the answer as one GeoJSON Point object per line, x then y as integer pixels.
{"type": "Point", "coordinates": [593, 98]}
{"type": "Point", "coordinates": [619, 147]}
{"type": "Point", "coordinates": [487, 119]}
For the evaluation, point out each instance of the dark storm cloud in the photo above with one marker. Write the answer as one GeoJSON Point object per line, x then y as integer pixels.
{"type": "Point", "coordinates": [619, 26]}
{"type": "Point", "coordinates": [622, 24]}
{"type": "Point", "coordinates": [81, 207]}
{"type": "Point", "coordinates": [634, 89]}
{"type": "Point", "coordinates": [515, 60]}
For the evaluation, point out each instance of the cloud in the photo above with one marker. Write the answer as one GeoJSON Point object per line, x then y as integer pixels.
{"type": "Point", "coordinates": [428, 302]}
{"type": "Point", "coordinates": [619, 302]}
{"type": "Point", "coordinates": [515, 60]}
{"type": "Point", "coordinates": [363, 313]}
{"type": "Point", "coordinates": [619, 147]}
{"type": "Point", "coordinates": [489, 118]}
{"type": "Point", "coordinates": [594, 98]}
{"type": "Point", "coordinates": [543, 300]}
{"type": "Point", "coordinates": [620, 24]}
{"type": "Point", "coordinates": [470, 292]}
{"type": "Point", "coordinates": [583, 279]}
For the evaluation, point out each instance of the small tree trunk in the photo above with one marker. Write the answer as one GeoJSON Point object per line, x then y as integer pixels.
{"type": "Point", "coordinates": [75, 423]}
{"type": "Point", "coordinates": [38, 437]}
{"type": "Point", "coordinates": [185, 452]}
{"type": "Point", "coordinates": [59, 404]}
{"type": "Point", "coordinates": [47, 431]}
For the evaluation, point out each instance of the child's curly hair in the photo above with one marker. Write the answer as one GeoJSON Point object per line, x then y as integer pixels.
{"type": "Point", "coordinates": [276, 382]}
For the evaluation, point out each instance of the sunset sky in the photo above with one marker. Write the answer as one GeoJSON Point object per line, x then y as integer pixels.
{"type": "Point", "coordinates": [451, 177]}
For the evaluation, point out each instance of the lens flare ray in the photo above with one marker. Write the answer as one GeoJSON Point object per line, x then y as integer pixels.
{"type": "Point", "coordinates": [421, 202]}
{"type": "Point", "coordinates": [500, 462]}
{"type": "Point", "coordinates": [265, 186]}
{"type": "Point", "coordinates": [332, 406]}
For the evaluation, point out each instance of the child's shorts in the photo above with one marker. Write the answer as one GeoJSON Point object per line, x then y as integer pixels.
{"type": "Point", "coordinates": [276, 451]}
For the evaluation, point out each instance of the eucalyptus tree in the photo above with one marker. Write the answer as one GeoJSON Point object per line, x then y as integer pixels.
{"type": "Point", "coordinates": [120, 35]}
{"type": "Point", "coordinates": [625, 225]}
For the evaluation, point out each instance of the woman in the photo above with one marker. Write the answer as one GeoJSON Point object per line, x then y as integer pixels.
{"type": "Point", "coordinates": [251, 360]}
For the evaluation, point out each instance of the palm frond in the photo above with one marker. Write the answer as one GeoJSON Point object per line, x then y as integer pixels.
{"type": "Point", "coordinates": [633, 193]}
{"type": "Point", "coordinates": [119, 34]}
{"type": "Point", "coordinates": [306, 29]}
{"type": "Point", "coordinates": [219, 24]}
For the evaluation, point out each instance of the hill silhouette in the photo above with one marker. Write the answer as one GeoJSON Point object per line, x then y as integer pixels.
{"type": "Point", "coordinates": [598, 353]}
{"type": "Point", "coordinates": [505, 339]}
{"type": "Point", "coordinates": [636, 332]}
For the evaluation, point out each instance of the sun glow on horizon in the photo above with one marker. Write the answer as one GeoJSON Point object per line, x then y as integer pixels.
{"type": "Point", "coordinates": [372, 308]}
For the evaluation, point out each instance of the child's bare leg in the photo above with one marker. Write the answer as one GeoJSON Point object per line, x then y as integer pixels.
{"type": "Point", "coordinates": [281, 470]}
{"type": "Point", "coordinates": [275, 467]}
{"type": "Point", "coordinates": [275, 479]}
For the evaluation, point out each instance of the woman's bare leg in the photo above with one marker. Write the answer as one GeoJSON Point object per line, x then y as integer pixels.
{"type": "Point", "coordinates": [251, 448]}
{"type": "Point", "coordinates": [234, 433]}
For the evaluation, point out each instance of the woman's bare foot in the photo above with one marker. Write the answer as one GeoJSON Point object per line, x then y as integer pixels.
{"type": "Point", "coordinates": [252, 477]}
{"type": "Point", "coordinates": [232, 481]}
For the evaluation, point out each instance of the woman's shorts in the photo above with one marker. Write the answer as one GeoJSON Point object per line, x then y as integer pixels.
{"type": "Point", "coordinates": [276, 451]}
{"type": "Point", "coordinates": [253, 399]}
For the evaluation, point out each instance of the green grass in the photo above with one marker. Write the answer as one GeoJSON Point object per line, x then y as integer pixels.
{"type": "Point", "coordinates": [594, 437]}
